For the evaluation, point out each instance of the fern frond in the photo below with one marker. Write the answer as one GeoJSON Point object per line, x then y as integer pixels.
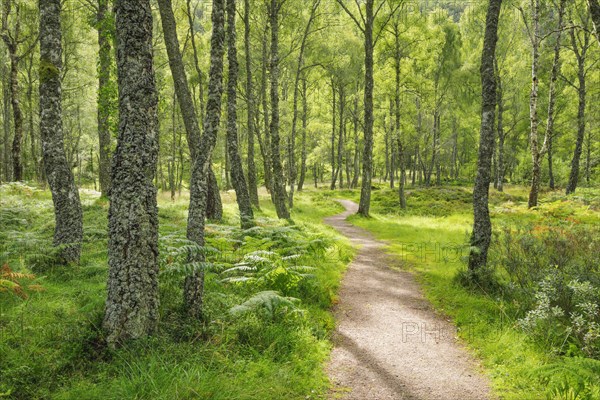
{"type": "Point", "coordinates": [269, 300]}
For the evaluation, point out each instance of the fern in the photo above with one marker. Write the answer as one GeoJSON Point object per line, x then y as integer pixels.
{"type": "Point", "coordinates": [10, 281]}
{"type": "Point", "coordinates": [268, 270]}
{"type": "Point", "coordinates": [572, 379]}
{"type": "Point", "coordinates": [268, 301]}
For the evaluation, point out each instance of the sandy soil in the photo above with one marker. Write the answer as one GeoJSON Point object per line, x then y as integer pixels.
{"type": "Point", "coordinates": [389, 343]}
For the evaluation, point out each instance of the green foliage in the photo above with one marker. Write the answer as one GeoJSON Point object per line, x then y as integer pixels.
{"type": "Point", "coordinates": [269, 302]}
{"type": "Point", "coordinates": [52, 344]}
{"type": "Point", "coordinates": [571, 379]}
{"type": "Point", "coordinates": [11, 282]}
{"type": "Point", "coordinates": [536, 304]}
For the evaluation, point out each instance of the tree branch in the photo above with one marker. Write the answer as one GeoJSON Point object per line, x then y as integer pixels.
{"type": "Point", "coordinates": [341, 3]}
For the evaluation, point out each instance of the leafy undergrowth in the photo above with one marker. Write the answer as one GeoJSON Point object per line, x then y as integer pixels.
{"type": "Point", "coordinates": [536, 324]}
{"type": "Point", "coordinates": [265, 332]}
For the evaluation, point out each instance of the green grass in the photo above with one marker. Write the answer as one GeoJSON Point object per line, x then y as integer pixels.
{"type": "Point", "coordinates": [430, 239]}
{"type": "Point", "coordinates": [51, 344]}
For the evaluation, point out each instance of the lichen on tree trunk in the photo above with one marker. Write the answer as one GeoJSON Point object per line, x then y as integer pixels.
{"type": "Point", "coordinates": [365, 190]}
{"type": "Point", "coordinates": [132, 302]}
{"type": "Point", "coordinates": [278, 185]}
{"type": "Point", "coordinates": [68, 231]}
{"type": "Point", "coordinates": [482, 226]}
{"type": "Point", "coordinates": [106, 92]}
{"type": "Point", "coordinates": [252, 180]}
{"type": "Point", "coordinates": [201, 172]}
{"type": "Point", "coordinates": [237, 173]}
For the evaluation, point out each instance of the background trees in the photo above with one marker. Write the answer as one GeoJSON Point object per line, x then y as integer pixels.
{"type": "Point", "coordinates": [423, 62]}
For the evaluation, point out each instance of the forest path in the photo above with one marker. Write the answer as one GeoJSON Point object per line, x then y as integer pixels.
{"type": "Point", "coordinates": [389, 343]}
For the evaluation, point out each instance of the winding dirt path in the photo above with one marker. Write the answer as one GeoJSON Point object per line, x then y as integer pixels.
{"type": "Point", "coordinates": [389, 343]}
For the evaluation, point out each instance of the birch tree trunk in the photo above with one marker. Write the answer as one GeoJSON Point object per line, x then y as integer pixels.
{"type": "Point", "coordinates": [201, 172]}
{"type": "Point", "coordinates": [132, 301]}
{"type": "Point", "coordinates": [106, 92]}
{"type": "Point", "coordinates": [303, 145]}
{"type": "Point", "coordinates": [6, 123]}
{"type": "Point", "coordinates": [340, 151]}
{"type": "Point", "coordinates": [356, 145]}
{"type": "Point", "coordinates": [501, 135]}
{"type": "Point", "coordinates": [482, 226]}
{"type": "Point", "coordinates": [580, 55]}
{"type": "Point", "coordinates": [533, 100]}
{"type": "Point", "coordinates": [237, 173]}
{"type": "Point", "coordinates": [265, 143]}
{"type": "Point", "coordinates": [547, 146]}
{"type": "Point", "coordinates": [299, 69]}
{"type": "Point", "coordinates": [68, 231]}
{"type": "Point", "coordinates": [278, 185]}
{"type": "Point", "coordinates": [333, 129]}
{"type": "Point", "coordinates": [252, 180]}
{"type": "Point", "coordinates": [12, 41]}
{"type": "Point", "coordinates": [398, 137]}
{"type": "Point", "coordinates": [594, 7]}
{"type": "Point", "coordinates": [538, 153]}
{"type": "Point", "coordinates": [365, 190]}
{"type": "Point", "coordinates": [214, 205]}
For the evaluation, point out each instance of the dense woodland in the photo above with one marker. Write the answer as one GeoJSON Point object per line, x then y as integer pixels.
{"type": "Point", "coordinates": [179, 139]}
{"type": "Point", "coordinates": [426, 93]}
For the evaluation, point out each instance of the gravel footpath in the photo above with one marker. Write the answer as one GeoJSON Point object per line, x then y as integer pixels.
{"type": "Point", "coordinates": [389, 343]}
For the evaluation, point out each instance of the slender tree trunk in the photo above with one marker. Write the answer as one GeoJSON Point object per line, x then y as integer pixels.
{"type": "Point", "coordinates": [588, 157]}
{"type": "Point", "coordinates": [303, 150]}
{"type": "Point", "coordinates": [30, 125]}
{"type": "Point", "coordinates": [365, 192]}
{"type": "Point", "coordinates": [252, 180]}
{"type": "Point", "coordinates": [199, 73]}
{"type": "Point", "coordinates": [68, 231]}
{"type": "Point", "coordinates": [12, 41]}
{"type": "Point", "coordinates": [415, 165]}
{"type": "Point", "coordinates": [393, 142]}
{"type": "Point", "coordinates": [533, 101]}
{"type": "Point", "coordinates": [214, 206]}
{"type": "Point", "coordinates": [132, 304]}
{"type": "Point", "coordinates": [386, 140]}
{"type": "Point", "coordinates": [418, 160]}
{"type": "Point", "coordinates": [171, 169]}
{"type": "Point", "coordinates": [349, 160]}
{"type": "Point", "coordinates": [278, 190]}
{"type": "Point", "coordinates": [265, 144]}
{"type": "Point", "coordinates": [356, 145]}
{"type": "Point", "coordinates": [582, 92]}
{"type": "Point", "coordinates": [594, 7]}
{"type": "Point", "coordinates": [201, 172]}
{"type": "Point", "coordinates": [552, 94]}
{"type": "Point", "coordinates": [501, 136]}
{"type": "Point", "coordinates": [17, 174]}
{"type": "Point", "coordinates": [299, 69]}
{"type": "Point", "coordinates": [340, 151]}
{"type": "Point", "coordinates": [6, 124]}
{"type": "Point", "coordinates": [400, 146]}
{"type": "Point", "coordinates": [333, 129]}
{"type": "Point", "coordinates": [237, 173]}
{"type": "Point", "coordinates": [454, 160]}
{"type": "Point", "coordinates": [438, 169]}
{"type": "Point", "coordinates": [482, 226]}
{"type": "Point", "coordinates": [106, 92]}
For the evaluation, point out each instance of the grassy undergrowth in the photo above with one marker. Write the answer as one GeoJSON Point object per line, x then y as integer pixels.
{"type": "Point", "coordinates": [429, 238]}
{"type": "Point", "coordinates": [273, 347]}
